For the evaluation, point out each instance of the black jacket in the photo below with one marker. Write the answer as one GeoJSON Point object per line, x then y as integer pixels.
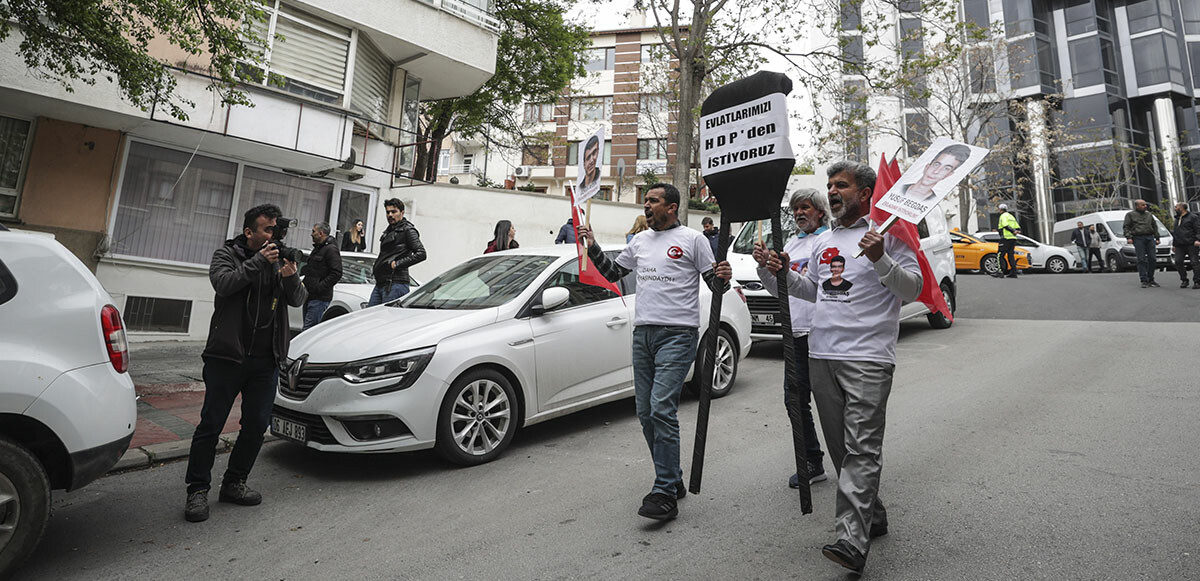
{"type": "Point", "coordinates": [323, 270]}
{"type": "Point", "coordinates": [1187, 230]}
{"type": "Point", "coordinates": [234, 271]}
{"type": "Point", "coordinates": [349, 246]}
{"type": "Point", "coordinates": [1081, 237]}
{"type": "Point", "coordinates": [400, 243]}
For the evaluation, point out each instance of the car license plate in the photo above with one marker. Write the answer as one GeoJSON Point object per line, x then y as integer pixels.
{"type": "Point", "coordinates": [290, 430]}
{"type": "Point", "coordinates": [762, 318]}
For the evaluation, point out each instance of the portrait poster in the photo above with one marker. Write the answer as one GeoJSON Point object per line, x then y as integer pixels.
{"type": "Point", "coordinates": [591, 159]}
{"type": "Point", "coordinates": [930, 179]}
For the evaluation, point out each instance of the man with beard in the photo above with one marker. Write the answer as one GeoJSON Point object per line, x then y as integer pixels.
{"type": "Point", "coordinates": [811, 213]}
{"type": "Point", "coordinates": [399, 248]}
{"type": "Point", "coordinates": [852, 351]}
{"type": "Point", "coordinates": [668, 258]}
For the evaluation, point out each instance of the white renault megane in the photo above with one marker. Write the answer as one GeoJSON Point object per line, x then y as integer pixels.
{"type": "Point", "coordinates": [501, 341]}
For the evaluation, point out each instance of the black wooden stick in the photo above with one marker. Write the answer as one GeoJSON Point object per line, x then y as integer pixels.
{"type": "Point", "coordinates": [706, 369]}
{"type": "Point", "coordinates": [790, 375]}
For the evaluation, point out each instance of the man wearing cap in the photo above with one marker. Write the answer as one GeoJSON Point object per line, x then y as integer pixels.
{"type": "Point", "coordinates": [1009, 228]}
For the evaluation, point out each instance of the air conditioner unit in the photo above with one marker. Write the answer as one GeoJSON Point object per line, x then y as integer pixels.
{"type": "Point", "coordinates": [522, 171]}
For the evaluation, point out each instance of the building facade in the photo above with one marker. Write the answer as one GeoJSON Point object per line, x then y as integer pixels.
{"type": "Point", "coordinates": [144, 199]}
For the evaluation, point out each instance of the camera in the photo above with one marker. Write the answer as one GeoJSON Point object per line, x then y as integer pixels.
{"type": "Point", "coordinates": [279, 233]}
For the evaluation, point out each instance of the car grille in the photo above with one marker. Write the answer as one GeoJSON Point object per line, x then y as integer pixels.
{"type": "Point", "coordinates": [317, 431]}
{"type": "Point", "coordinates": [760, 305]}
{"type": "Point", "coordinates": [310, 375]}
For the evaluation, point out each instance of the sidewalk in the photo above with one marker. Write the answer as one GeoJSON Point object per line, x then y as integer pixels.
{"type": "Point", "coordinates": [168, 380]}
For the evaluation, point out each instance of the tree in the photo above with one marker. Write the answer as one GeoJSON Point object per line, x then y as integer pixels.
{"type": "Point", "coordinates": [538, 54]}
{"type": "Point", "coordinates": [82, 41]}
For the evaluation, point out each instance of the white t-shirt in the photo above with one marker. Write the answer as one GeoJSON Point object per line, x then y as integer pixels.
{"type": "Point", "coordinates": [668, 264]}
{"type": "Point", "coordinates": [799, 250]}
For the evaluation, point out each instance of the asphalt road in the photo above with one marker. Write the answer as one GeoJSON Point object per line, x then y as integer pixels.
{"type": "Point", "coordinates": [1031, 446]}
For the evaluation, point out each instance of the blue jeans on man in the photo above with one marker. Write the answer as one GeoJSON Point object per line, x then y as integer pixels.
{"type": "Point", "coordinates": [661, 358]}
{"type": "Point", "coordinates": [255, 379]}
{"type": "Point", "coordinates": [314, 309]}
{"type": "Point", "coordinates": [386, 292]}
{"type": "Point", "coordinates": [1144, 248]}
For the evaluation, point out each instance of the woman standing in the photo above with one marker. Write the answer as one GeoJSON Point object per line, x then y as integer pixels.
{"type": "Point", "coordinates": [356, 239]}
{"type": "Point", "coordinates": [505, 237]}
{"type": "Point", "coordinates": [639, 224]}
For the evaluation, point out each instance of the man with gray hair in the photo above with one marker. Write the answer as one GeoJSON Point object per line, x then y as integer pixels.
{"type": "Point", "coordinates": [810, 209]}
{"type": "Point", "coordinates": [323, 270]}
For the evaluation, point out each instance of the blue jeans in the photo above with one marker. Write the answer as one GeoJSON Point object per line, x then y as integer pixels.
{"type": "Point", "coordinates": [796, 398]}
{"type": "Point", "coordinates": [1143, 246]}
{"type": "Point", "coordinates": [255, 379]}
{"type": "Point", "coordinates": [386, 292]}
{"type": "Point", "coordinates": [314, 309]}
{"type": "Point", "coordinates": [661, 358]}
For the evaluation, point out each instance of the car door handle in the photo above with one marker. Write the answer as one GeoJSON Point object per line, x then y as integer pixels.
{"type": "Point", "coordinates": [616, 322]}
{"type": "Point", "coordinates": [520, 342]}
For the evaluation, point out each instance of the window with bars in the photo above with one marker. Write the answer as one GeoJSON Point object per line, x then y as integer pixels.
{"type": "Point", "coordinates": [371, 89]}
{"type": "Point", "coordinates": [303, 54]}
{"type": "Point", "coordinates": [14, 142]}
{"type": "Point", "coordinates": [153, 314]}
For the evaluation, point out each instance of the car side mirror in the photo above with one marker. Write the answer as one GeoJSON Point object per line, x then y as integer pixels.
{"type": "Point", "coordinates": [552, 298]}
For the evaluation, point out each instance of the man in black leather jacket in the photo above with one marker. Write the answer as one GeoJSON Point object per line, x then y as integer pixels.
{"type": "Point", "coordinates": [399, 248]}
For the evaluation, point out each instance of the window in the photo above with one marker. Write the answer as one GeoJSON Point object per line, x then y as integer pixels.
{"type": "Point", "coordinates": [600, 59]}
{"type": "Point", "coordinates": [468, 162]}
{"type": "Point", "coordinates": [652, 149]}
{"type": "Point", "coordinates": [410, 114]}
{"type": "Point", "coordinates": [535, 154]}
{"type": "Point", "coordinates": [1157, 60]}
{"type": "Point", "coordinates": [353, 205]}
{"type": "Point", "coordinates": [1193, 50]}
{"type": "Point", "coordinates": [911, 43]}
{"type": "Point", "coordinates": [14, 141]}
{"type": "Point", "coordinates": [591, 108]}
{"type": "Point", "coordinates": [976, 12]}
{"type": "Point", "coordinates": [1020, 18]}
{"type": "Point", "coordinates": [1031, 61]}
{"type": "Point", "coordinates": [1191, 17]}
{"type": "Point", "coordinates": [916, 130]}
{"type": "Point", "coordinates": [157, 315]}
{"type": "Point", "coordinates": [655, 53]}
{"type": "Point", "coordinates": [1080, 16]}
{"type": "Point", "coordinates": [306, 200]}
{"type": "Point", "coordinates": [606, 193]}
{"type": "Point", "coordinates": [372, 86]}
{"type": "Point", "coordinates": [851, 14]}
{"type": "Point", "coordinates": [1086, 68]}
{"type": "Point", "coordinates": [909, 5]}
{"type": "Point", "coordinates": [443, 162]}
{"type": "Point", "coordinates": [853, 53]}
{"type": "Point", "coordinates": [982, 68]}
{"type": "Point", "coordinates": [171, 209]}
{"type": "Point", "coordinates": [1149, 14]}
{"type": "Point", "coordinates": [581, 293]}
{"type": "Point", "coordinates": [307, 56]}
{"type": "Point", "coordinates": [653, 105]}
{"type": "Point", "coordinates": [539, 112]}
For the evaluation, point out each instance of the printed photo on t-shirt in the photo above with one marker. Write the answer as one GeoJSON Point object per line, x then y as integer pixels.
{"type": "Point", "coordinates": [800, 266]}
{"type": "Point", "coordinates": [835, 288]}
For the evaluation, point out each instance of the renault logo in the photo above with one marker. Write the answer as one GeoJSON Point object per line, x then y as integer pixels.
{"type": "Point", "coordinates": [293, 372]}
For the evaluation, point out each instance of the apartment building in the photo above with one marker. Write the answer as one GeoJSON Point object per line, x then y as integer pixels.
{"type": "Point", "coordinates": [624, 90]}
{"type": "Point", "coordinates": [144, 199]}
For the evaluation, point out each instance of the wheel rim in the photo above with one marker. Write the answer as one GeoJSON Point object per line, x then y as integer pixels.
{"type": "Point", "coordinates": [1057, 265]}
{"type": "Point", "coordinates": [10, 510]}
{"type": "Point", "coordinates": [991, 265]}
{"type": "Point", "coordinates": [1112, 264]}
{"type": "Point", "coordinates": [723, 365]}
{"type": "Point", "coordinates": [481, 417]}
{"type": "Point", "coordinates": [946, 297]}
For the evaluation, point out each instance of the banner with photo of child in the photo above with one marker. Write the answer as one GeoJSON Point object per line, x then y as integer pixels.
{"type": "Point", "coordinates": [930, 179]}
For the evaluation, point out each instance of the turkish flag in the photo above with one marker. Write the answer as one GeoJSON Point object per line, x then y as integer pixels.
{"type": "Point", "coordinates": [589, 274]}
{"type": "Point", "coordinates": [931, 293]}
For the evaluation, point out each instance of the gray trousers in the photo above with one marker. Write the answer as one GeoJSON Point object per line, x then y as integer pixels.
{"type": "Point", "coordinates": [851, 399]}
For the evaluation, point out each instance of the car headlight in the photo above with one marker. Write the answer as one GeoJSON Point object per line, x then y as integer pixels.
{"type": "Point", "coordinates": [404, 368]}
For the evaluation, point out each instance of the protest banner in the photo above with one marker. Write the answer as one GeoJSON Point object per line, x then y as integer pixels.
{"type": "Point", "coordinates": [591, 156]}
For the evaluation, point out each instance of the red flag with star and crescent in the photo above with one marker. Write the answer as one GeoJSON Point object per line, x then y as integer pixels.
{"type": "Point", "coordinates": [931, 293]}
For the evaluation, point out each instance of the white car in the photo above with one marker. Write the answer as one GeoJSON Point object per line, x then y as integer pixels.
{"type": "Point", "coordinates": [501, 341]}
{"type": "Point", "coordinates": [764, 308]}
{"type": "Point", "coordinates": [1052, 259]}
{"type": "Point", "coordinates": [67, 405]}
{"type": "Point", "coordinates": [350, 294]}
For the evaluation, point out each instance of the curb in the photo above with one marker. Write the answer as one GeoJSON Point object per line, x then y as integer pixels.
{"type": "Point", "coordinates": [146, 456]}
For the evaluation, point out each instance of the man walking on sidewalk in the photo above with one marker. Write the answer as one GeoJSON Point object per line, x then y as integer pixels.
{"type": "Point", "coordinates": [247, 338]}
{"type": "Point", "coordinates": [1141, 231]}
{"type": "Point", "coordinates": [399, 248]}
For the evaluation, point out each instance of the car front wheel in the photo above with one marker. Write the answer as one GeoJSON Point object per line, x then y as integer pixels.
{"type": "Point", "coordinates": [1056, 265]}
{"type": "Point", "coordinates": [1114, 265]}
{"type": "Point", "coordinates": [477, 420]}
{"type": "Point", "coordinates": [725, 367]}
{"type": "Point", "coordinates": [24, 505]}
{"type": "Point", "coordinates": [990, 265]}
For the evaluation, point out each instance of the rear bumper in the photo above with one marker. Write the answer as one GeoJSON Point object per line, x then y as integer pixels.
{"type": "Point", "coordinates": [88, 465]}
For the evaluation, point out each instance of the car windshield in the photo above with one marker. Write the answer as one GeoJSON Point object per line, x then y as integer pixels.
{"type": "Point", "coordinates": [479, 283]}
{"type": "Point", "coordinates": [744, 244]}
{"type": "Point", "coordinates": [1118, 226]}
{"type": "Point", "coordinates": [357, 270]}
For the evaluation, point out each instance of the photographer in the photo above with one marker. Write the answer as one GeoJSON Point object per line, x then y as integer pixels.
{"type": "Point", "coordinates": [399, 248]}
{"type": "Point", "coordinates": [247, 341]}
{"type": "Point", "coordinates": [323, 270]}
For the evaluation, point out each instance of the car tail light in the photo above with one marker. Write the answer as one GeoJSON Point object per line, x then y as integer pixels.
{"type": "Point", "coordinates": [114, 338]}
{"type": "Point", "coordinates": [740, 293]}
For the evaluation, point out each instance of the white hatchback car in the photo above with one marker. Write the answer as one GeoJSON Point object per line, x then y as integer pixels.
{"type": "Point", "coordinates": [1052, 259]}
{"type": "Point", "coordinates": [67, 405]}
{"type": "Point", "coordinates": [501, 341]}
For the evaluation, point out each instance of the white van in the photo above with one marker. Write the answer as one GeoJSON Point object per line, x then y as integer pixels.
{"type": "Point", "coordinates": [935, 243]}
{"type": "Point", "coordinates": [1110, 226]}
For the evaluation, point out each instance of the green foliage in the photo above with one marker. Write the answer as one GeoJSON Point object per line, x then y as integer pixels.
{"type": "Point", "coordinates": [694, 204]}
{"type": "Point", "coordinates": [72, 41]}
{"type": "Point", "coordinates": [803, 167]}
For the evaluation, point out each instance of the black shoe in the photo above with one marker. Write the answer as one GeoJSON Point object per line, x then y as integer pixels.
{"type": "Point", "coordinates": [1153, 284]}
{"type": "Point", "coordinates": [1196, 284]}
{"type": "Point", "coordinates": [239, 493]}
{"type": "Point", "coordinates": [878, 529]}
{"type": "Point", "coordinates": [844, 554]}
{"type": "Point", "coordinates": [1145, 285]}
{"type": "Point", "coordinates": [196, 509]}
{"type": "Point", "coordinates": [1183, 284]}
{"type": "Point", "coordinates": [816, 473]}
{"type": "Point", "coordinates": [658, 506]}
{"type": "Point", "coordinates": [680, 491]}
{"type": "Point", "coordinates": [1012, 276]}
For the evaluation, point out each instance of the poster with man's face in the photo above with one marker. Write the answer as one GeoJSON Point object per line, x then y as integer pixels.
{"type": "Point", "coordinates": [930, 179]}
{"type": "Point", "coordinates": [591, 155]}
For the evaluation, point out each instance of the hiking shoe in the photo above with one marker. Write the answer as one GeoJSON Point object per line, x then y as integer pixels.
{"type": "Point", "coordinates": [816, 473]}
{"type": "Point", "coordinates": [844, 554]}
{"type": "Point", "coordinates": [878, 529]}
{"type": "Point", "coordinates": [196, 509]}
{"type": "Point", "coordinates": [239, 493]}
{"type": "Point", "coordinates": [1153, 284]}
{"type": "Point", "coordinates": [658, 506]}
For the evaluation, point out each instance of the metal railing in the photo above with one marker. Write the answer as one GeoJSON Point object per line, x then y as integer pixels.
{"type": "Point", "coordinates": [468, 12]}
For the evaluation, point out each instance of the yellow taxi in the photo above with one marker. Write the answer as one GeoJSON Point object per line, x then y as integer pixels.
{"type": "Point", "coordinates": [971, 253]}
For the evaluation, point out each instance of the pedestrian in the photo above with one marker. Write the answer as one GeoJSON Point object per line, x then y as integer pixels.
{"type": "Point", "coordinates": [810, 209]}
{"type": "Point", "coordinates": [566, 233]}
{"type": "Point", "coordinates": [247, 340]}
{"type": "Point", "coordinates": [1009, 228]}
{"type": "Point", "coordinates": [639, 225]}
{"type": "Point", "coordinates": [852, 350]}
{"type": "Point", "coordinates": [356, 239]}
{"type": "Point", "coordinates": [1094, 249]}
{"type": "Point", "coordinates": [1186, 239]}
{"type": "Point", "coordinates": [322, 271]}
{"type": "Point", "coordinates": [669, 259]}
{"type": "Point", "coordinates": [399, 248]}
{"type": "Point", "coordinates": [1082, 237]}
{"type": "Point", "coordinates": [504, 237]}
{"type": "Point", "coordinates": [1141, 231]}
{"type": "Point", "coordinates": [711, 232]}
